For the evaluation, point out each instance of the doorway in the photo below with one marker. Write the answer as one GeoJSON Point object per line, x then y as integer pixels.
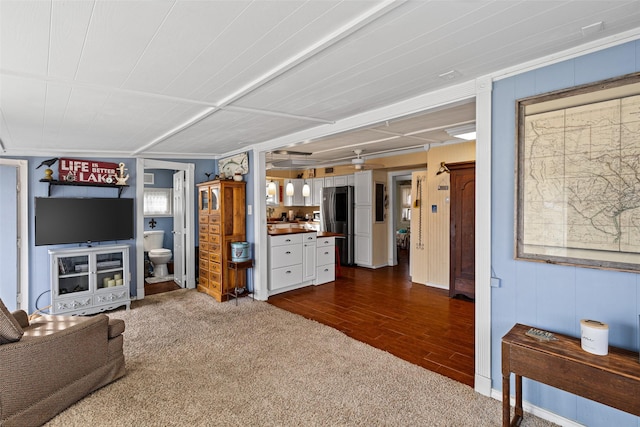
{"type": "Point", "coordinates": [183, 223]}
{"type": "Point", "coordinates": [14, 248]}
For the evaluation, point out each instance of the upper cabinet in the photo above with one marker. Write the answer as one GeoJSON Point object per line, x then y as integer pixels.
{"type": "Point", "coordinates": [273, 199]}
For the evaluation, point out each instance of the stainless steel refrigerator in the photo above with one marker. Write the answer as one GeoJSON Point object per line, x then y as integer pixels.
{"type": "Point", "coordinates": [337, 211]}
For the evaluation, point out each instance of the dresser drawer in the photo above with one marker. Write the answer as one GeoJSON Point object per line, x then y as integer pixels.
{"type": "Point", "coordinates": [203, 219]}
{"type": "Point", "coordinates": [325, 274]}
{"type": "Point", "coordinates": [214, 228]}
{"type": "Point", "coordinates": [214, 238]}
{"type": "Point", "coordinates": [215, 267]}
{"type": "Point", "coordinates": [282, 256]}
{"type": "Point", "coordinates": [214, 280]}
{"type": "Point", "coordinates": [204, 264]}
{"type": "Point", "coordinates": [215, 248]}
{"type": "Point", "coordinates": [285, 276]}
{"type": "Point", "coordinates": [215, 257]}
{"type": "Point", "coordinates": [325, 255]}
{"type": "Point", "coordinates": [204, 237]}
{"type": "Point", "coordinates": [325, 241]}
{"type": "Point", "coordinates": [287, 239]}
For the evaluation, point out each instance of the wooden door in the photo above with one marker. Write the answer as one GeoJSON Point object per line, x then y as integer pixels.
{"type": "Point", "coordinates": [463, 219]}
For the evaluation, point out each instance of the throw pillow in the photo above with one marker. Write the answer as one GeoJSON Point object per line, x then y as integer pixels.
{"type": "Point", "coordinates": [10, 330]}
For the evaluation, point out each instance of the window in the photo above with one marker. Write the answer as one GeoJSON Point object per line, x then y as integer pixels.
{"type": "Point", "coordinates": [405, 200]}
{"type": "Point", "coordinates": [158, 202]}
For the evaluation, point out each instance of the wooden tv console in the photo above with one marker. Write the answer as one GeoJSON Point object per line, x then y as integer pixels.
{"type": "Point", "coordinates": [613, 379]}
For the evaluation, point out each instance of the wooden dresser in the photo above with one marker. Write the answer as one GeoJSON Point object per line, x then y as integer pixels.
{"type": "Point", "coordinates": [221, 221]}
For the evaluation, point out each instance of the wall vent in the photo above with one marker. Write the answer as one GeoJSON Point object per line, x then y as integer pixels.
{"type": "Point", "coordinates": [149, 179]}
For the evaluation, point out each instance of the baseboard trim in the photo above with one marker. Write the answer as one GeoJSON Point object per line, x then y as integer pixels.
{"type": "Point", "coordinates": [539, 412]}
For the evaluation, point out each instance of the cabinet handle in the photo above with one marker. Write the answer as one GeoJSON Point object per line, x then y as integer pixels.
{"type": "Point", "coordinates": [326, 253]}
{"type": "Point", "coordinates": [288, 240]}
{"type": "Point", "coordinates": [326, 269]}
{"type": "Point", "coordinates": [288, 271]}
{"type": "Point", "coordinates": [288, 252]}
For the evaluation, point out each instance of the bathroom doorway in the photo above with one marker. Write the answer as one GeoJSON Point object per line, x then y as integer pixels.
{"type": "Point", "coordinates": [182, 230]}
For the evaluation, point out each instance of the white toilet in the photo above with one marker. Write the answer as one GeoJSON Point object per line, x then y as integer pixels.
{"type": "Point", "coordinates": [158, 256]}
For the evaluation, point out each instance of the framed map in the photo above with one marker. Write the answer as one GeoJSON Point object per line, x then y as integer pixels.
{"type": "Point", "coordinates": [578, 176]}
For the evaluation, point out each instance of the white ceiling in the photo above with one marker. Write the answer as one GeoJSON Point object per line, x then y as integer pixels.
{"type": "Point", "coordinates": [188, 79]}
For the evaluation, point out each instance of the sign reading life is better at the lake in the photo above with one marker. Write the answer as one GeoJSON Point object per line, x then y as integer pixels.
{"type": "Point", "coordinates": [86, 171]}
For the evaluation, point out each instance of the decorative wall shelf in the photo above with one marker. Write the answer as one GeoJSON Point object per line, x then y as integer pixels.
{"type": "Point", "coordinates": [82, 184]}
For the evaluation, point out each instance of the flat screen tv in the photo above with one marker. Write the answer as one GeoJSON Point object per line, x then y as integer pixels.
{"type": "Point", "coordinates": [62, 220]}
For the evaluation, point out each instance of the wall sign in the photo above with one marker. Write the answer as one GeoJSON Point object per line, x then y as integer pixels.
{"type": "Point", "coordinates": [75, 170]}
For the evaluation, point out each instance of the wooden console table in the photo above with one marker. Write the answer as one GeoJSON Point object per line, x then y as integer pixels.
{"type": "Point", "coordinates": [613, 379]}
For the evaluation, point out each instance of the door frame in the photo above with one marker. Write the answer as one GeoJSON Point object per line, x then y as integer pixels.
{"type": "Point", "coordinates": [22, 167]}
{"type": "Point", "coordinates": [189, 200]}
{"type": "Point", "coordinates": [392, 179]}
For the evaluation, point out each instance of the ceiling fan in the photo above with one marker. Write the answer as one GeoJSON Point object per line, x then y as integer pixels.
{"type": "Point", "coordinates": [360, 164]}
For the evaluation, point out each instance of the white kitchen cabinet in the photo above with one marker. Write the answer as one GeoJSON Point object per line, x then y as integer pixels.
{"type": "Point", "coordinates": [363, 228]}
{"type": "Point", "coordinates": [89, 280]}
{"type": "Point", "coordinates": [318, 185]}
{"type": "Point", "coordinates": [288, 261]}
{"type": "Point", "coordinates": [326, 260]}
{"type": "Point", "coordinates": [308, 200]}
{"type": "Point", "coordinates": [328, 181]}
{"type": "Point", "coordinates": [363, 187]}
{"type": "Point", "coordinates": [297, 199]}
{"type": "Point", "coordinates": [308, 257]}
{"type": "Point", "coordinates": [340, 180]}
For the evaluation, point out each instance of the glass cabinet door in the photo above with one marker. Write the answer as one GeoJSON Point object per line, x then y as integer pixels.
{"type": "Point", "coordinates": [73, 274]}
{"type": "Point", "coordinates": [203, 199]}
{"type": "Point", "coordinates": [215, 197]}
{"type": "Point", "coordinates": [109, 270]}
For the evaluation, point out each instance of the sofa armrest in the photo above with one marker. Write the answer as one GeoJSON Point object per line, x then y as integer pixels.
{"type": "Point", "coordinates": [37, 365]}
{"type": "Point", "coordinates": [116, 327]}
{"type": "Point", "coordinates": [22, 318]}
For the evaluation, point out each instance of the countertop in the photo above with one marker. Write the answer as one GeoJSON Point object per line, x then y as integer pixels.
{"type": "Point", "coordinates": [289, 230]}
{"type": "Point", "coordinates": [283, 231]}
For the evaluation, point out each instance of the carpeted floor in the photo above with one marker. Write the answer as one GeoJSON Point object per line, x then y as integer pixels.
{"type": "Point", "coordinates": [194, 362]}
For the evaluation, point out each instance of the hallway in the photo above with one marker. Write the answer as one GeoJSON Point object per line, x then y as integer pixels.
{"type": "Point", "coordinates": [384, 309]}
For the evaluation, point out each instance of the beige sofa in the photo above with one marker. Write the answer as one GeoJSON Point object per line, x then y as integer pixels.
{"type": "Point", "coordinates": [50, 363]}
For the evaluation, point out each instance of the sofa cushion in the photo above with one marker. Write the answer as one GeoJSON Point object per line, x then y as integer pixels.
{"type": "Point", "coordinates": [10, 330]}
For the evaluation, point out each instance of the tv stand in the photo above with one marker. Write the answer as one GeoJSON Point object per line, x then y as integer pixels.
{"type": "Point", "coordinates": [89, 280]}
{"type": "Point", "coordinates": [82, 184]}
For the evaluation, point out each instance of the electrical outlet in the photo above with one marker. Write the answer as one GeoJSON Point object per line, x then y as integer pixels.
{"type": "Point", "coordinates": [495, 282]}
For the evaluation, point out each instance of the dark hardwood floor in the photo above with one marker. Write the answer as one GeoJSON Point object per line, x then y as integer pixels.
{"type": "Point", "coordinates": [384, 309]}
{"type": "Point", "coordinates": [157, 288]}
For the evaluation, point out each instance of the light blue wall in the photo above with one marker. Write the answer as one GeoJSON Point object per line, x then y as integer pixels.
{"type": "Point", "coordinates": [550, 296]}
{"type": "Point", "coordinates": [38, 255]}
{"type": "Point", "coordinates": [39, 275]}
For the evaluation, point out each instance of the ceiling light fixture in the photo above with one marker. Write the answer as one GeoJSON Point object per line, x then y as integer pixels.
{"type": "Point", "coordinates": [466, 132]}
{"type": "Point", "coordinates": [306, 190]}
{"type": "Point", "coordinates": [289, 188]}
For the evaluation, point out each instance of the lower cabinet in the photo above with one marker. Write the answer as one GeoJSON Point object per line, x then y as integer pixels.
{"type": "Point", "coordinates": [290, 264]}
{"type": "Point", "coordinates": [89, 280]}
{"type": "Point", "coordinates": [326, 260]}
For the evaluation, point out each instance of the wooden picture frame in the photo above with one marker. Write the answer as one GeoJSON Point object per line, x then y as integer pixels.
{"type": "Point", "coordinates": [578, 176]}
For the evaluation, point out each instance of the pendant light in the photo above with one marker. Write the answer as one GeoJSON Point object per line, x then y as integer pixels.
{"type": "Point", "coordinates": [271, 188]}
{"type": "Point", "coordinates": [306, 190]}
{"type": "Point", "coordinates": [289, 188]}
